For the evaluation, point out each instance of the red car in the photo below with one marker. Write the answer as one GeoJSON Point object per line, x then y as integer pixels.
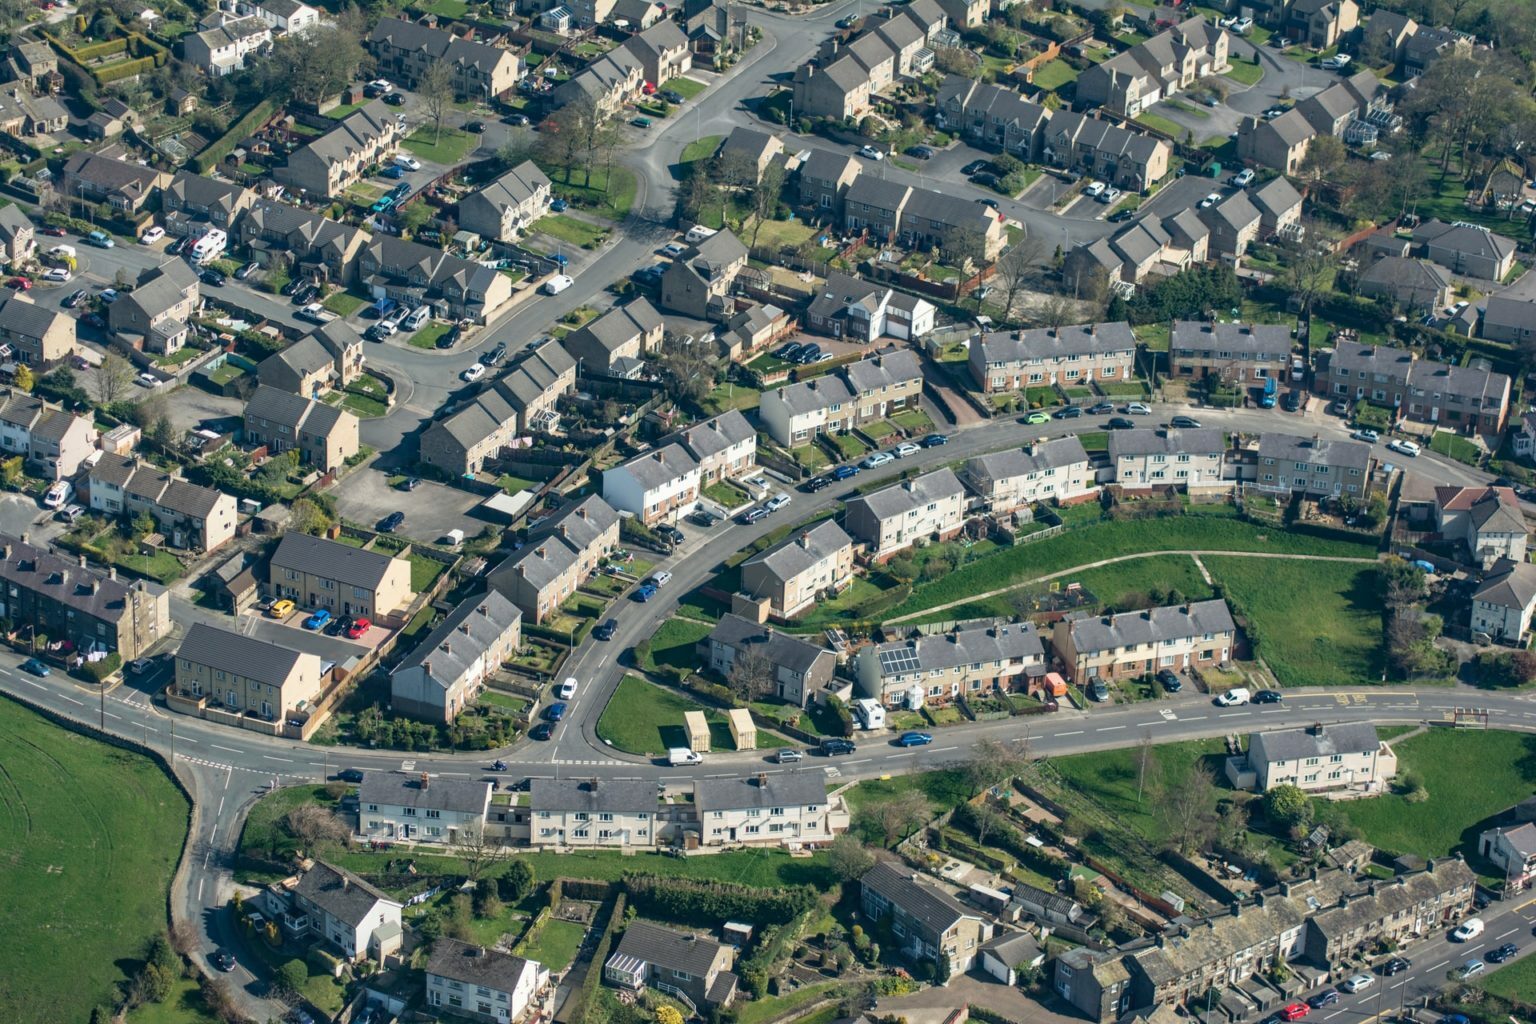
{"type": "Point", "coordinates": [54, 232]}
{"type": "Point", "coordinates": [358, 628]}
{"type": "Point", "coordinates": [1295, 1011]}
{"type": "Point", "coordinates": [21, 283]}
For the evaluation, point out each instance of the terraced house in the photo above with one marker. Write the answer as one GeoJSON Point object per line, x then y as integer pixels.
{"type": "Point", "coordinates": [262, 683]}
{"type": "Point", "coordinates": [65, 599]}
{"type": "Point", "coordinates": [1462, 398]}
{"type": "Point", "coordinates": [1162, 66]}
{"type": "Point", "coordinates": [1233, 353]}
{"type": "Point", "coordinates": [936, 669]}
{"type": "Point", "coordinates": [1057, 472]}
{"type": "Point", "coordinates": [411, 273]}
{"type": "Point", "coordinates": [193, 203]}
{"type": "Point", "coordinates": [993, 116]}
{"type": "Point", "coordinates": [326, 166]}
{"type": "Point", "coordinates": [1150, 459]}
{"type": "Point", "coordinates": [523, 401]}
{"type": "Point", "coordinates": [1123, 158]}
{"type": "Point", "coordinates": [1071, 356]}
{"type": "Point", "coordinates": [318, 573]}
{"type": "Point", "coordinates": [1200, 634]}
{"type": "Point", "coordinates": [921, 218]}
{"type": "Point", "coordinates": [561, 553]}
{"type": "Point", "coordinates": [405, 51]}
{"type": "Point", "coordinates": [449, 669]}
{"type": "Point", "coordinates": [895, 518]}
{"type": "Point", "coordinates": [422, 809]}
{"type": "Point", "coordinates": [189, 516]}
{"type": "Point", "coordinates": [317, 245]}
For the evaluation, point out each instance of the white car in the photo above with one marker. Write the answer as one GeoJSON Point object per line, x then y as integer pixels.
{"type": "Point", "coordinates": [1472, 968]}
{"type": "Point", "coordinates": [382, 85]}
{"type": "Point", "coordinates": [1210, 200]}
{"type": "Point", "coordinates": [1093, 188]}
{"type": "Point", "coordinates": [1139, 409]}
{"type": "Point", "coordinates": [1243, 178]}
{"type": "Point", "coordinates": [474, 373]}
{"type": "Point", "coordinates": [1358, 983]}
{"type": "Point", "coordinates": [1242, 26]}
{"type": "Point", "coordinates": [697, 234]}
{"type": "Point", "coordinates": [1367, 435]}
{"type": "Point", "coordinates": [410, 163]}
{"type": "Point", "coordinates": [1337, 62]}
{"type": "Point", "coordinates": [1234, 697]}
{"type": "Point", "coordinates": [59, 274]}
{"type": "Point", "coordinates": [662, 578]}
{"type": "Point", "coordinates": [907, 448]}
{"type": "Point", "coordinates": [147, 380]}
{"type": "Point", "coordinates": [878, 459]}
{"type": "Point", "coordinates": [673, 250]}
{"type": "Point", "coordinates": [1402, 447]}
{"type": "Point", "coordinates": [871, 153]}
{"type": "Point", "coordinates": [568, 688]}
{"type": "Point", "coordinates": [1468, 930]}
{"type": "Point", "coordinates": [776, 502]}
{"type": "Point", "coordinates": [152, 236]}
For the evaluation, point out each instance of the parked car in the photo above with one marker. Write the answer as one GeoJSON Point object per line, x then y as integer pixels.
{"type": "Point", "coordinates": [817, 483]}
{"type": "Point", "coordinates": [914, 739]}
{"type": "Point", "coordinates": [478, 127]}
{"type": "Point", "coordinates": [1138, 409]}
{"type": "Point", "coordinates": [224, 961]}
{"type": "Point", "coordinates": [317, 619]}
{"type": "Point", "coordinates": [1367, 435]}
{"type": "Point", "coordinates": [752, 515]}
{"type": "Point", "coordinates": [1468, 930]}
{"type": "Point", "coordinates": [661, 579]}
{"type": "Point", "coordinates": [1471, 969]}
{"type": "Point", "coordinates": [212, 277]}
{"type": "Point", "coordinates": [542, 731]}
{"type": "Point", "coordinates": [921, 152]}
{"type": "Point", "coordinates": [152, 236]}
{"type": "Point", "coordinates": [568, 688]}
{"type": "Point", "coordinates": [1242, 179]}
{"type": "Point", "coordinates": [1268, 697]}
{"type": "Point", "coordinates": [58, 275]}
{"type": "Point", "coordinates": [1210, 200]}
{"type": "Point", "coordinates": [1098, 690]}
{"type": "Point", "coordinates": [1094, 189]}
{"type": "Point", "coordinates": [1184, 422]}
{"type": "Point", "coordinates": [776, 502]}
{"type": "Point", "coordinates": [605, 630]}
{"type": "Point", "coordinates": [1169, 681]}
{"type": "Point", "coordinates": [645, 592]}
{"type": "Point", "coordinates": [1394, 966]}
{"type": "Point", "coordinates": [473, 373]}
{"type": "Point", "coordinates": [1404, 447]}
{"type": "Point", "coordinates": [640, 122]}
{"type": "Point", "coordinates": [844, 472]}
{"type": "Point", "coordinates": [788, 755]}
{"type": "Point", "coordinates": [673, 96]}
{"type": "Point", "coordinates": [974, 166]}
{"type": "Point", "coordinates": [555, 711]}
{"type": "Point", "coordinates": [832, 746]}
{"type": "Point", "coordinates": [1503, 953]}
{"type": "Point", "coordinates": [674, 250]}
{"type": "Point", "coordinates": [75, 298]}
{"type": "Point", "coordinates": [1327, 997]}
{"type": "Point", "coordinates": [1120, 423]}
{"type": "Point", "coordinates": [1099, 408]}
{"type": "Point", "coordinates": [245, 271]}
{"type": "Point", "coordinates": [1108, 196]}
{"type": "Point", "coordinates": [357, 628]}
{"type": "Point", "coordinates": [1295, 1011]}
{"type": "Point", "coordinates": [934, 440]}
{"type": "Point", "coordinates": [280, 609]}
{"type": "Point", "coordinates": [1234, 697]}
{"type": "Point", "coordinates": [410, 163]}
{"type": "Point", "coordinates": [906, 448]}
{"type": "Point", "coordinates": [1121, 216]}
{"type": "Point", "coordinates": [871, 153]}
{"type": "Point", "coordinates": [147, 380]}
{"type": "Point", "coordinates": [392, 522]}
{"type": "Point", "coordinates": [878, 459]}
{"type": "Point", "coordinates": [1358, 983]}
{"type": "Point", "coordinates": [1038, 416]}
{"type": "Point", "coordinates": [34, 667]}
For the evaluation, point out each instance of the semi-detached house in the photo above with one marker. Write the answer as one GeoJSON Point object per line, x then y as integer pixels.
{"type": "Point", "coordinates": [1162, 66]}
{"type": "Point", "coordinates": [54, 443]}
{"type": "Point", "coordinates": [698, 281]}
{"type": "Point", "coordinates": [656, 486]}
{"type": "Point", "coordinates": [724, 446]}
{"type": "Point", "coordinates": [449, 669]}
{"type": "Point", "coordinates": [693, 967]}
{"type": "Point", "coordinates": [1057, 472]}
{"type": "Point", "coordinates": [1503, 602]}
{"type": "Point", "coordinates": [1317, 758]}
{"type": "Point", "coordinates": [222, 49]}
{"type": "Point", "coordinates": [623, 333]}
{"type": "Point", "coordinates": [330, 356]}
{"type": "Point", "coordinates": [1314, 467]}
{"type": "Point", "coordinates": [1147, 459]}
{"type": "Point", "coordinates": [337, 906]}
{"type": "Point", "coordinates": [1071, 356]}
{"type": "Point", "coordinates": [122, 184]}
{"type": "Point", "coordinates": [508, 205]}
{"type": "Point", "coordinates": [1234, 353]}
{"type": "Point", "coordinates": [413, 274]}
{"type": "Point", "coordinates": [1461, 398]}
{"type": "Point", "coordinates": [326, 436]}
{"type": "Point", "coordinates": [801, 669]}
{"type": "Point", "coordinates": [791, 809]}
{"type": "Point", "coordinates": [482, 984]}
{"type": "Point", "coordinates": [1200, 635]}
{"type": "Point", "coordinates": [936, 669]}
{"type": "Point", "coordinates": [921, 218]}
{"type": "Point", "coordinates": [851, 307]}
{"type": "Point", "coordinates": [153, 317]}
{"type": "Point", "coordinates": [193, 203]}
{"type": "Point", "coordinates": [1466, 249]}
{"type": "Point", "coordinates": [189, 516]}
{"type": "Point", "coordinates": [594, 812]}
{"type": "Point", "coordinates": [419, 808]}
{"type": "Point", "coordinates": [870, 389]}
{"type": "Point", "coordinates": [405, 50]}
{"type": "Point", "coordinates": [793, 573]}
{"type": "Point", "coordinates": [897, 517]}
{"type": "Point", "coordinates": [316, 245]}
{"type": "Point", "coordinates": [928, 923]}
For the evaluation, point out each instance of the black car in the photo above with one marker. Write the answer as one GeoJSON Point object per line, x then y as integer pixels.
{"type": "Point", "coordinates": [392, 522]}
{"type": "Point", "coordinates": [375, 333]}
{"type": "Point", "coordinates": [1168, 681]}
{"type": "Point", "coordinates": [410, 483]}
{"type": "Point", "coordinates": [788, 352]}
{"type": "Point", "coordinates": [336, 625]}
{"type": "Point", "coordinates": [475, 126]}
{"type": "Point", "coordinates": [986, 179]}
{"type": "Point", "coordinates": [542, 731]}
{"type": "Point", "coordinates": [1099, 408]}
{"type": "Point", "coordinates": [293, 286]}
{"type": "Point", "coordinates": [495, 355]}
{"type": "Point", "coordinates": [394, 99]}
{"type": "Point", "coordinates": [1121, 215]}
{"type": "Point", "coordinates": [1327, 997]}
{"type": "Point", "coordinates": [1504, 952]}
{"type": "Point", "coordinates": [350, 775]}
{"type": "Point", "coordinates": [1120, 423]}
{"type": "Point", "coordinates": [450, 339]}
{"type": "Point", "coordinates": [224, 961]}
{"type": "Point", "coordinates": [832, 746]}
{"type": "Point", "coordinates": [211, 277]}
{"type": "Point", "coordinates": [673, 96]}
{"type": "Point", "coordinates": [1071, 412]}
{"type": "Point", "coordinates": [1186, 422]}
{"type": "Point", "coordinates": [921, 152]}
{"type": "Point", "coordinates": [846, 23]}
{"type": "Point", "coordinates": [992, 203]}
{"type": "Point", "coordinates": [606, 630]}
{"type": "Point", "coordinates": [973, 167]}
{"type": "Point", "coordinates": [1268, 697]}
{"type": "Point", "coordinates": [817, 483]}
{"type": "Point", "coordinates": [304, 296]}
{"type": "Point", "coordinates": [1292, 401]}
{"type": "Point", "coordinates": [517, 119]}
{"type": "Point", "coordinates": [935, 440]}
{"type": "Point", "coordinates": [1397, 965]}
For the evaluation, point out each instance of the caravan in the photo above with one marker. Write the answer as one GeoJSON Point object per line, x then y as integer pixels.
{"type": "Point", "coordinates": [210, 247]}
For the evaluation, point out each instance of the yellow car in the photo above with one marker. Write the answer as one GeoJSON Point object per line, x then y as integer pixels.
{"type": "Point", "coordinates": [1038, 417]}
{"type": "Point", "coordinates": [281, 609]}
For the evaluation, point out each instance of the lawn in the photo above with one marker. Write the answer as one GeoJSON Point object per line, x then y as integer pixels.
{"type": "Point", "coordinates": [675, 644]}
{"type": "Point", "coordinates": [1109, 777]}
{"type": "Point", "coordinates": [1456, 447]}
{"type": "Point", "coordinates": [1503, 765]}
{"type": "Point", "coordinates": [1516, 981]}
{"type": "Point", "coordinates": [688, 87]}
{"type": "Point", "coordinates": [596, 196]}
{"type": "Point", "coordinates": [730, 395]}
{"type": "Point", "coordinates": [759, 1011]}
{"type": "Point", "coordinates": [701, 149]}
{"type": "Point", "coordinates": [1159, 123]}
{"type": "Point", "coordinates": [1245, 72]}
{"type": "Point", "coordinates": [428, 335]}
{"type": "Point", "coordinates": [453, 9]}
{"type": "Point", "coordinates": [448, 149]}
{"type": "Point", "coordinates": [344, 303]}
{"type": "Point", "coordinates": [571, 231]}
{"type": "Point", "coordinates": [515, 484]}
{"type": "Point", "coordinates": [1105, 540]}
{"type": "Point", "coordinates": [645, 719]}
{"type": "Point", "coordinates": [783, 234]}
{"type": "Point", "coordinates": [91, 837]}
{"type": "Point", "coordinates": [556, 944]}
{"type": "Point", "coordinates": [1127, 584]}
{"type": "Point", "coordinates": [425, 571]}
{"type": "Point", "coordinates": [946, 789]}
{"type": "Point", "coordinates": [1318, 623]}
{"type": "Point", "coordinates": [1053, 75]}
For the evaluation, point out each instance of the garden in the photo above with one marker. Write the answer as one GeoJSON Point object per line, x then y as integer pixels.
{"type": "Point", "coordinates": [642, 718]}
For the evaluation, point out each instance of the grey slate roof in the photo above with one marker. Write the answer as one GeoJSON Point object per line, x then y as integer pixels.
{"type": "Point", "coordinates": [332, 560]}
{"type": "Point", "coordinates": [1016, 462]}
{"type": "Point", "coordinates": [339, 893]}
{"type": "Point", "coordinates": [476, 965]}
{"type": "Point", "coordinates": [624, 796]}
{"type": "Point", "coordinates": [934, 907]}
{"type": "Point", "coordinates": [616, 328]}
{"type": "Point", "coordinates": [297, 412]}
{"type": "Point", "coordinates": [88, 591]}
{"type": "Point", "coordinates": [788, 650]}
{"type": "Point", "coordinates": [667, 948]}
{"type": "Point", "coordinates": [826, 165]}
{"type": "Point", "coordinates": [1005, 643]}
{"type": "Point", "coordinates": [1469, 239]}
{"type": "Point", "coordinates": [238, 654]}
{"type": "Point", "coordinates": [1269, 341]}
{"type": "Point", "coordinates": [877, 193]}
{"type": "Point", "coordinates": [1315, 451]}
{"type": "Point", "coordinates": [1166, 441]}
{"type": "Point", "coordinates": [1509, 584]}
{"type": "Point", "coordinates": [1173, 622]}
{"type": "Point", "coordinates": [1045, 343]}
{"type": "Point", "coordinates": [515, 187]}
{"type": "Point", "coordinates": [1275, 197]}
{"type": "Point", "coordinates": [818, 393]}
{"type": "Point", "coordinates": [799, 551]}
{"type": "Point", "coordinates": [715, 434]}
{"type": "Point", "coordinates": [1313, 741]}
{"type": "Point", "coordinates": [883, 370]}
{"type": "Point", "coordinates": [1398, 896]}
{"type": "Point", "coordinates": [398, 789]}
{"type": "Point", "coordinates": [1397, 273]}
{"type": "Point", "coordinates": [749, 144]}
{"type": "Point", "coordinates": [791, 789]}
{"type": "Point", "coordinates": [583, 521]}
{"type": "Point", "coordinates": [897, 499]}
{"type": "Point", "coordinates": [711, 256]}
{"type": "Point", "coordinates": [659, 466]}
{"type": "Point", "coordinates": [462, 638]}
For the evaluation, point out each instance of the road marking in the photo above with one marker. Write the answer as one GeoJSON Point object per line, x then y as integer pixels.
{"type": "Point", "coordinates": [862, 760]}
{"type": "Point", "coordinates": [228, 750]}
{"type": "Point", "coordinates": [407, 766]}
{"type": "Point", "coordinates": [72, 700]}
{"type": "Point", "coordinates": [1273, 711]}
{"type": "Point", "coordinates": [1196, 718]}
{"type": "Point", "coordinates": [111, 715]}
{"type": "Point", "coordinates": [1510, 932]}
{"type": "Point", "coordinates": [463, 775]}
{"type": "Point", "coordinates": [1168, 715]}
{"type": "Point", "coordinates": [270, 757]}
{"type": "Point", "coordinates": [1078, 732]}
{"type": "Point", "coordinates": [200, 882]}
{"type": "Point", "coordinates": [1332, 1015]}
{"type": "Point", "coordinates": [1439, 965]}
{"type": "Point", "coordinates": [220, 811]}
{"type": "Point", "coordinates": [1232, 714]}
{"type": "Point", "coordinates": [1108, 728]}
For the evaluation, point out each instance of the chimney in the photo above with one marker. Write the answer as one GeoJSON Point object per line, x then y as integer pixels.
{"type": "Point", "coordinates": [762, 780]}
{"type": "Point", "coordinates": [426, 780]}
{"type": "Point", "coordinates": [805, 539]}
{"type": "Point", "coordinates": [1093, 330]}
{"type": "Point", "coordinates": [464, 628]}
{"type": "Point", "coordinates": [82, 561]}
{"type": "Point", "coordinates": [446, 650]}
{"type": "Point", "coordinates": [906, 485]}
{"type": "Point", "coordinates": [541, 552]}
{"type": "Point", "coordinates": [6, 550]}
{"type": "Point", "coordinates": [111, 572]}
{"type": "Point", "coordinates": [26, 536]}
{"type": "Point", "coordinates": [1237, 909]}
{"type": "Point", "coordinates": [346, 883]}
{"type": "Point", "coordinates": [522, 572]}
{"type": "Point", "coordinates": [1316, 728]}
{"type": "Point", "coordinates": [564, 530]}
{"type": "Point", "coordinates": [581, 510]}
{"type": "Point", "coordinates": [657, 456]}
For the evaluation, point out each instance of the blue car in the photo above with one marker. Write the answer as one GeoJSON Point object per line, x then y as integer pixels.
{"type": "Point", "coordinates": [35, 667]}
{"type": "Point", "coordinates": [844, 472]}
{"type": "Point", "coordinates": [558, 206]}
{"type": "Point", "coordinates": [914, 739]}
{"type": "Point", "coordinates": [555, 711]}
{"type": "Point", "coordinates": [318, 619]}
{"type": "Point", "coordinates": [393, 171]}
{"type": "Point", "coordinates": [646, 592]}
{"type": "Point", "coordinates": [542, 731]}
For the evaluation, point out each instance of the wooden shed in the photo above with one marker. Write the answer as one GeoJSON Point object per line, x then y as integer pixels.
{"type": "Point", "coordinates": [743, 729]}
{"type": "Point", "coordinates": [698, 731]}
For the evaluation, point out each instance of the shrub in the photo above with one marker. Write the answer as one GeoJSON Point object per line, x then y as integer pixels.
{"type": "Point", "coordinates": [688, 899]}
{"type": "Point", "coordinates": [99, 670]}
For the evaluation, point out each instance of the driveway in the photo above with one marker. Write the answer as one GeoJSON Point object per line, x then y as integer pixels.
{"type": "Point", "coordinates": [430, 511]}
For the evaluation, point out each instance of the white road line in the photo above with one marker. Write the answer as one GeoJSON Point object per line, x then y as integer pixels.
{"type": "Point", "coordinates": [464, 775]}
{"type": "Point", "coordinates": [269, 757]}
{"type": "Point", "coordinates": [200, 882]}
{"type": "Point", "coordinates": [942, 750]}
{"type": "Point", "coordinates": [1439, 965]}
{"type": "Point", "coordinates": [72, 700]}
{"type": "Point", "coordinates": [1510, 932]}
{"type": "Point", "coordinates": [1272, 711]}
{"type": "Point", "coordinates": [220, 811]}
{"type": "Point", "coordinates": [227, 750]}
{"type": "Point", "coordinates": [862, 760]}
{"type": "Point", "coordinates": [1232, 714]}
{"type": "Point", "coordinates": [908, 753]}
{"type": "Point", "coordinates": [1108, 728]}
{"type": "Point", "coordinates": [1079, 732]}
{"type": "Point", "coordinates": [1197, 718]}
{"type": "Point", "coordinates": [111, 715]}
{"type": "Point", "coordinates": [1332, 1015]}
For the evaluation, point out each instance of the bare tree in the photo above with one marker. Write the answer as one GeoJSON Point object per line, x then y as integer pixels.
{"type": "Point", "coordinates": [478, 851]}
{"type": "Point", "coordinates": [313, 826]}
{"type": "Point", "coordinates": [848, 857]}
{"type": "Point", "coordinates": [752, 674]}
{"type": "Point", "coordinates": [1185, 808]}
{"type": "Point", "coordinates": [1054, 311]}
{"type": "Point", "coordinates": [993, 762]}
{"type": "Point", "coordinates": [690, 369]}
{"type": "Point", "coordinates": [1019, 268]}
{"type": "Point", "coordinates": [1324, 157]}
{"type": "Point", "coordinates": [113, 378]}
{"type": "Point", "coordinates": [899, 816]}
{"type": "Point", "coordinates": [1309, 268]}
{"type": "Point", "coordinates": [1147, 764]}
{"type": "Point", "coordinates": [436, 91]}
{"type": "Point", "coordinates": [985, 819]}
{"type": "Point", "coordinates": [966, 250]}
{"type": "Point", "coordinates": [765, 198]}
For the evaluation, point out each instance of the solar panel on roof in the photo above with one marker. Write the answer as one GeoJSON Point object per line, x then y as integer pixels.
{"type": "Point", "coordinates": [898, 660]}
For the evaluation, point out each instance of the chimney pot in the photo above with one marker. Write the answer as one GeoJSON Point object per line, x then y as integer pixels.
{"type": "Point", "coordinates": [762, 780]}
{"type": "Point", "coordinates": [425, 780]}
{"type": "Point", "coordinates": [82, 561]}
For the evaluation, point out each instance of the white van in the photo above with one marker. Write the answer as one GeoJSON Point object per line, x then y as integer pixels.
{"type": "Point", "coordinates": [418, 317]}
{"type": "Point", "coordinates": [210, 247]}
{"type": "Point", "coordinates": [679, 756]}
{"type": "Point", "coordinates": [59, 494]}
{"type": "Point", "coordinates": [558, 284]}
{"type": "Point", "coordinates": [1469, 929]}
{"type": "Point", "coordinates": [1235, 696]}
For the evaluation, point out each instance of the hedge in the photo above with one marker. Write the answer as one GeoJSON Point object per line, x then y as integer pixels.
{"type": "Point", "coordinates": [97, 50]}
{"type": "Point", "coordinates": [589, 984]}
{"type": "Point", "coordinates": [679, 899]}
{"type": "Point", "coordinates": [211, 157]}
{"type": "Point", "coordinates": [127, 69]}
{"type": "Point", "coordinates": [756, 970]}
{"type": "Point", "coordinates": [96, 671]}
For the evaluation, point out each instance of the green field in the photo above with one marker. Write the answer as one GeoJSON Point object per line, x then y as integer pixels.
{"type": "Point", "coordinates": [91, 837]}
{"type": "Point", "coordinates": [599, 196]}
{"type": "Point", "coordinates": [1128, 584]}
{"type": "Point", "coordinates": [1109, 777]}
{"type": "Point", "coordinates": [1456, 447]}
{"type": "Point", "coordinates": [701, 149]}
{"type": "Point", "coordinates": [1053, 75]}
{"type": "Point", "coordinates": [1245, 72]}
{"type": "Point", "coordinates": [1470, 776]}
{"type": "Point", "coordinates": [556, 944]}
{"type": "Point", "coordinates": [687, 87]}
{"type": "Point", "coordinates": [570, 230]}
{"type": "Point", "coordinates": [644, 719]}
{"type": "Point", "coordinates": [1318, 623]}
{"type": "Point", "coordinates": [1516, 981]}
{"type": "Point", "coordinates": [449, 148]}
{"type": "Point", "coordinates": [675, 644]}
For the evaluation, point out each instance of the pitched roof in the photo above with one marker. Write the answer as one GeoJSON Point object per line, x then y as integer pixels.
{"type": "Point", "coordinates": [616, 328]}
{"type": "Point", "coordinates": [239, 654]}
{"type": "Point", "coordinates": [580, 522]}
{"type": "Point", "coordinates": [800, 551]}
{"type": "Point", "coordinates": [811, 395]}
{"type": "Point", "coordinates": [1315, 451]}
{"type": "Point", "coordinates": [623, 796]}
{"type": "Point", "coordinates": [461, 640]}
{"type": "Point", "coordinates": [1313, 741]}
{"type": "Point", "coordinates": [900, 886]}
{"type": "Point", "coordinates": [1396, 272]}
{"type": "Point", "coordinates": [331, 559]}
{"type": "Point", "coordinates": [399, 789]}
{"type": "Point", "coordinates": [1171, 622]}
{"type": "Point", "coordinates": [791, 789]}
{"type": "Point", "coordinates": [340, 893]}
{"type": "Point", "coordinates": [710, 257]}
{"type": "Point", "coordinates": [1465, 239]}
{"type": "Point", "coordinates": [88, 591]}
{"type": "Point", "coordinates": [1017, 462]}
{"type": "Point", "coordinates": [1275, 197]}
{"type": "Point", "coordinates": [477, 965]}
{"type": "Point", "coordinates": [715, 435]}
{"type": "Point", "coordinates": [1051, 343]}
{"type": "Point", "coordinates": [1271, 341]}
{"type": "Point", "coordinates": [1509, 584]}
{"type": "Point", "coordinates": [999, 643]}
{"type": "Point", "coordinates": [667, 948]}
{"type": "Point", "coordinates": [659, 467]}
{"type": "Point", "coordinates": [900, 498]}
{"type": "Point", "coordinates": [827, 165]}
{"type": "Point", "coordinates": [515, 187]}
{"type": "Point", "coordinates": [886, 369]}
{"type": "Point", "coordinates": [294, 411]}
{"type": "Point", "coordinates": [787, 650]}
{"type": "Point", "coordinates": [1166, 441]}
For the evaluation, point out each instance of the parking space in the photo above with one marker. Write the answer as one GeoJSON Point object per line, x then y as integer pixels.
{"type": "Point", "coordinates": [290, 632]}
{"type": "Point", "coordinates": [431, 510]}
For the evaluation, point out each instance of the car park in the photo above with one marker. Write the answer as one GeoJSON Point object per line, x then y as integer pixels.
{"type": "Point", "coordinates": [878, 459]}
{"type": "Point", "coordinates": [1184, 422]}
{"type": "Point", "coordinates": [914, 739]}
{"type": "Point", "coordinates": [392, 522]}
{"type": "Point", "coordinates": [1404, 447]}
{"type": "Point", "coordinates": [904, 449]}
{"type": "Point", "coordinates": [935, 440]}
{"type": "Point", "coordinates": [317, 619]}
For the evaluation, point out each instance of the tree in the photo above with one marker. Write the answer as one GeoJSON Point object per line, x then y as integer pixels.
{"type": "Point", "coordinates": [1184, 808]}
{"type": "Point", "coordinates": [1308, 267]}
{"type": "Point", "coordinates": [24, 380]}
{"type": "Point", "coordinates": [985, 820]}
{"type": "Point", "coordinates": [966, 250]}
{"type": "Point", "coordinates": [113, 378]}
{"type": "Point", "coordinates": [487, 899]}
{"type": "Point", "coordinates": [1286, 805]}
{"type": "Point", "coordinates": [752, 674]}
{"type": "Point", "coordinates": [1053, 311]}
{"type": "Point", "coordinates": [1146, 764]}
{"type": "Point", "coordinates": [690, 368]}
{"type": "Point", "coordinates": [435, 87]}
{"type": "Point", "coordinates": [957, 60]}
{"type": "Point", "coordinates": [899, 816]}
{"type": "Point", "coordinates": [415, 217]}
{"type": "Point", "coordinates": [306, 516]}
{"type": "Point", "coordinates": [702, 193]}
{"type": "Point", "coordinates": [516, 882]}
{"type": "Point", "coordinates": [765, 198]}
{"type": "Point", "coordinates": [313, 825]}
{"type": "Point", "coordinates": [309, 66]}
{"type": "Point", "coordinates": [1019, 268]}
{"type": "Point", "coordinates": [993, 762]}
{"type": "Point", "coordinates": [1325, 155]}
{"type": "Point", "coordinates": [848, 857]}
{"type": "Point", "coordinates": [668, 1015]}
{"type": "Point", "coordinates": [478, 851]}
{"type": "Point", "coordinates": [291, 976]}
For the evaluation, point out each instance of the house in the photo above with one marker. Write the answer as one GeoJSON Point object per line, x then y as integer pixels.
{"type": "Point", "coordinates": [710, 26]}
{"type": "Point", "coordinates": [1502, 604]}
{"type": "Point", "coordinates": [591, 12]}
{"type": "Point", "coordinates": [1466, 249]}
{"type": "Point", "coordinates": [637, 14]}
{"type": "Point", "coordinates": [921, 218]}
{"type": "Point", "coordinates": [837, 89]}
{"type": "Point", "coordinates": [1321, 24]}
{"type": "Point", "coordinates": [801, 669]}
{"type": "Point", "coordinates": [793, 573]}
{"type": "Point", "coordinates": [1487, 520]}
{"type": "Point", "coordinates": [316, 245]}
{"type": "Point", "coordinates": [330, 356]}
{"type": "Point", "coordinates": [192, 203]}
{"type": "Point", "coordinates": [1523, 436]}
{"type": "Point", "coordinates": [413, 274]}
{"type": "Point", "coordinates": [897, 517]}
{"type": "Point", "coordinates": [326, 436]}
{"type": "Point", "coordinates": [1162, 66]}
{"type": "Point", "coordinates": [37, 63]}
{"type": "Point", "coordinates": [790, 809]}
{"type": "Point", "coordinates": [750, 328]}
{"type": "Point", "coordinates": [662, 51]}
{"type": "Point", "coordinates": [1314, 467]}
{"type": "Point", "coordinates": [483, 984]}
{"type": "Point", "coordinates": [222, 50]}
{"type": "Point", "coordinates": [875, 55]}
{"type": "Point", "coordinates": [1462, 398]}
{"type": "Point", "coordinates": [26, 113]}
{"type": "Point", "coordinates": [1512, 849]}
{"type": "Point", "coordinates": [54, 443]}
{"type": "Point", "coordinates": [724, 446]}
{"type": "Point", "coordinates": [523, 401]}
{"type": "Point", "coordinates": [697, 282]}
{"type": "Point", "coordinates": [929, 923]}
{"type": "Point", "coordinates": [1071, 356]}
{"type": "Point", "coordinates": [1386, 34]}
{"type": "Point", "coordinates": [125, 186]}
{"type": "Point", "coordinates": [584, 813]}
{"type": "Point", "coordinates": [447, 670]}
{"type": "Point", "coordinates": [936, 669]}
{"type": "Point", "coordinates": [562, 551]}
{"type": "Point", "coordinates": [195, 518]}
{"type": "Point", "coordinates": [328, 165]}
{"type": "Point", "coordinates": [1279, 206]}
{"type": "Point", "coordinates": [1508, 319]}
{"type": "Point", "coordinates": [848, 306]}
{"type": "Point", "coordinates": [1148, 459]}
{"type": "Point", "coordinates": [1427, 45]}
{"type": "Point", "coordinates": [1280, 144]}
{"type": "Point", "coordinates": [1319, 758]}
{"type": "Point", "coordinates": [287, 16]}
{"type": "Point", "coordinates": [318, 573]}
{"type": "Point", "coordinates": [506, 207]}
{"type": "Point", "coordinates": [1232, 353]}
{"type": "Point", "coordinates": [991, 115]}
{"type": "Point", "coordinates": [154, 315]}
{"type": "Point", "coordinates": [906, 38]}
{"type": "Point", "coordinates": [606, 84]}
{"type": "Point", "coordinates": [64, 599]}
{"type": "Point", "coordinates": [692, 967]}
{"type": "Point", "coordinates": [868, 390]}
{"type": "Point", "coordinates": [1093, 982]}
{"type": "Point", "coordinates": [1056, 472]}
{"type": "Point", "coordinates": [1234, 224]}
{"type": "Point", "coordinates": [340, 908]}
{"type": "Point", "coordinates": [17, 234]}
{"type": "Point", "coordinates": [420, 808]}
{"type": "Point", "coordinates": [39, 337]}
{"type": "Point", "coordinates": [825, 177]}
{"type": "Point", "coordinates": [1143, 247]}
{"type": "Point", "coordinates": [405, 50]}
{"type": "Point", "coordinates": [624, 332]}
{"type": "Point", "coordinates": [657, 486]}
{"type": "Point", "coordinates": [1329, 112]}
{"type": "Point", "coordinates": [1006, 952]}
{"type": "Point", "coordinates": [245, 676]}
{"type": "Point", "coordinates": [1200, 634]}
{"type": "Point", "coordinates": [1388, 915]}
